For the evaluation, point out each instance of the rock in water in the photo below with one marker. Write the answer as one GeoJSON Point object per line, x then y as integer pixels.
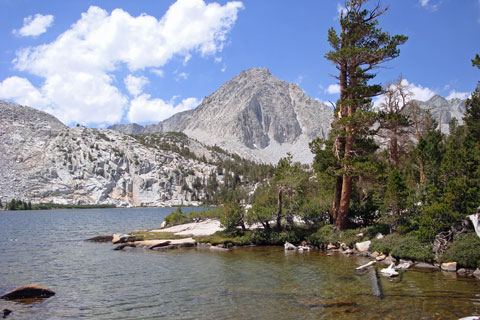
{"type": "Point", "coordinates": [289, 246]}
{"type": "Point", "coordinates": [449, 266]}
{"type": "Point", "coordinates": [28, 292]}
{"type": "Point", "coordinates": [6, 312]}
{"type": "Point", "coordinates": [390, 271]}
{"type": "Point", "coordinates": [102, 238]}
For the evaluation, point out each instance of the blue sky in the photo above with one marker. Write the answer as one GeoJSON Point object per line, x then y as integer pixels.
{"type": "Point", "coordinates": [117, 61]}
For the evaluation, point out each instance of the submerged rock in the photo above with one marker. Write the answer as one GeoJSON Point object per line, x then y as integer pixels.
{"type": "Point", "coordinates": [101, 238]}
{"type": "Point", "coordinates": [6, 312]}
{"type": "Point", "coordinates": [29, 291]}
{"type": "Point", "coordinates": [427, 266]}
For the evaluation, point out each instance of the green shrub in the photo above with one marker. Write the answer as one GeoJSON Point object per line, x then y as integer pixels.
{"type": "Point", "coordinates": [371, 232]}
{"type": "Point", "coordinates": [386, 244]}
{"type": "Point", "coordinates": [436, 218]}
{"type": "Point", "coordinates": [349, 237]}
{"type": "Point", "coordinates": [324, 236]}
{"type": "Point", "coordinates": [232, 216]}
{"type": "Point", "coordinates": [273, 237]}
{"type": "Point", "coordinates": [465, 250]}
{"type": "Point", "coordinates": [411, 248]}
{"type": "Point", "coordinates": [177, 217]}
{"type": "Point", "coordinates": [214, 213]}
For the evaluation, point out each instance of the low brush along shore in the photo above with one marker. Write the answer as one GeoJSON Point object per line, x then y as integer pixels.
{"type": "Point", "coordinates": [209, 234]}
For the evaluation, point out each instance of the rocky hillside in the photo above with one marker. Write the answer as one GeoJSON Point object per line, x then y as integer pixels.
{"type": "Point", "coordinates": [255, 115]}
{"type": "Point", "coordinates": [443, 110]}
{"type": "Point", "coordinates": [42, 160]}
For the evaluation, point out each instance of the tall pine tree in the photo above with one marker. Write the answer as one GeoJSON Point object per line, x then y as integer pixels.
{"type": "Point", "coordinates": [360, 48]}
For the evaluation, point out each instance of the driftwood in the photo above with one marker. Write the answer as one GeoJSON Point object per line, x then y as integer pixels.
{"type": "Point", "coordinates": [371, 263]}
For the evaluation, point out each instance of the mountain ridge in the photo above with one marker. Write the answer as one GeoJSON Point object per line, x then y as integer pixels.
{"type": "Point", "coordinates": [254, 114]}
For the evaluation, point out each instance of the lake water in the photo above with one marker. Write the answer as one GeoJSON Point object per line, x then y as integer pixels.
{"type": "Point", "coordinates": [94, 282]}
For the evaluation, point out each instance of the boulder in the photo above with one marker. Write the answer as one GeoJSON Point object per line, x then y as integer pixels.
{"type": "Point", "coordinates": [331, 246]}
{"type": "Point", "coordinates": [343, 246]}
{"type": "Point", "coordinates": [102, 238]}
{"type": "Point", "coordinates": [379, 236]}
{"type": "Point", "coordinates": [6, 312]}
{"type": "Point", "coordinates": [348, 251]}
{"type": "Point", "coordinates": [427, 266]}
{"type": "Point", "coordinates": [389, 260]}
{"type": "Point", "coordinates": [303, 248]}
{"type": "Point", "coordinates": [163, 225]}
{"type": "Point", "coordinates": [374, 254]}
{"type": "Point", "coordinates": [403, 266]}
{"type": "Point", "coordinates": [121, 246]}
{"type": "Point", "coordinates": [390, 271]}
{"type": "Point", "coordinates": [363, 246]}
{"type": "Point", "coordinates": [381, 257]}
{"type": "Point", "coordinates": [476, 273]}
{"type": "Point", "coordinates": [462, 271]}
{"type": "Point", "coordinates": [449, 266]}
{"type": "Point", "coordinates": [30, 291]}
{"type": "Point", "coordinates": [123, 238]}
{"type": "Point", "coordinates": [289, 246]}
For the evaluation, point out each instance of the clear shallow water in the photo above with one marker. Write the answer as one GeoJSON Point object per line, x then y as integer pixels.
{"type": "Point", "coordinates": [94, 282]}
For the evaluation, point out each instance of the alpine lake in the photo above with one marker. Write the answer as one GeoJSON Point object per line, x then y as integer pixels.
{"type": "Point", "coordinates": [92, 281]}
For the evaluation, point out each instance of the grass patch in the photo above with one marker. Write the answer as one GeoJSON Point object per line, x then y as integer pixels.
{"type": "Point", "coordinates": [222, 237]}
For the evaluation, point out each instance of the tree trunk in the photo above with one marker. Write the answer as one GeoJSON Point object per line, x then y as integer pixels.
{"type": "Point", "coordinates": [336, 200]}
{"type": "Point", "coordinates": [279, 214]}
{"type": "Point", "coordinates": [342, 218]}
{"type": "Point", "coordinates": [361, 193]}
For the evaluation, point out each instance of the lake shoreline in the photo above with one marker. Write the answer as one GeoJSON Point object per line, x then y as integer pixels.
{"type": "Point", "coordinates": [196, 235]}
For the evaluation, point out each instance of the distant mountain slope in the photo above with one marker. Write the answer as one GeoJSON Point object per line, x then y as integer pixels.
{"type": "Point", "coordinates": [42, 160]}
{"type": "Point", "coordinates": [255, 115]}
{"type": "Point", "coordinates": [443, 110]}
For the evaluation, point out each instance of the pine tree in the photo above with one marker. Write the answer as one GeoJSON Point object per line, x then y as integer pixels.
{"type": "Point", "coordinates": [360, 48]}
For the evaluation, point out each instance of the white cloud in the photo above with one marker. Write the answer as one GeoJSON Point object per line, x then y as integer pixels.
{"type": "Point", "coordinates": [181, 75]}
{"type": "Point", "coordinates": [144, 109]}
{"type": "Point", "coordinates": [458, 95]}
{"type": "Point", "coordinates": [424, 3]}
{"type": "Point", "coordinates": [224, 68]}
{"type": "Point", "coordinates": [333, 89]}
{"type": "Point", "coordinates": [418, 92]}
{"type": "Point", "coordinates": [34, 26]}
{"type": "Point", "coordinates": [158, 72]}
{"type": "Point", "coordinates": [78, 65]}
{"type": "Point", "coordinates": [23, 92]}
{"type": "Point", "coordinates": [428, 5]}
{"type": "Point", "coordinates": [135, 85]}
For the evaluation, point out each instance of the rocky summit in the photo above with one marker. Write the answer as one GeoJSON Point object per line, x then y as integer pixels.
{"type": "Point", "coordinates": [43, 160]}
{"type": "Point", "coordinates": [255, 115]}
